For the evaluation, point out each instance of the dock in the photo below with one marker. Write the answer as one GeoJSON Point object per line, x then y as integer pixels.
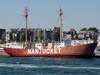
{"type": "Point", "coordinates": [97, 55]}
{"type": "Point", "coordinates": [4, 54]}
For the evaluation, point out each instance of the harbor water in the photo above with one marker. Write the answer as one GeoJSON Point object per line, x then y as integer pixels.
{"type": "Point", "coordinates": [49, 66]}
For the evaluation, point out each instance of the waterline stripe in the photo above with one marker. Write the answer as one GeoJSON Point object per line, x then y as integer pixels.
{"type": "Point", "coordinates": [28, 66]}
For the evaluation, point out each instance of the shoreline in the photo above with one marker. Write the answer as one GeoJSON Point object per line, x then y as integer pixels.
{"type": "Point", "coordinates": [4, 54]}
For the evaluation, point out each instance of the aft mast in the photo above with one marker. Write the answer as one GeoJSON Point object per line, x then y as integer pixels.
{"type": "Point", "coordinates": [26, 14]}
{"type": "Point", "coordinates": [60, 13]}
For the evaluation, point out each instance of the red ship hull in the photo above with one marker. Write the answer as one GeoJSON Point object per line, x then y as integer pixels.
{"type": "Point", "coordinates": [80, 50]}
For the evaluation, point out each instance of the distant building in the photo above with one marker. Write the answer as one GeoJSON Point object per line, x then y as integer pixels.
{"type": "Point", "coordinates": [36, 34]}
{"type": "Point", "coordinates": [56, 29]}
{"type": "Point", "coordinates": [82, 34]}
{"type": "Point", "coordinates": [7, 36]}
{"type": "Point", "coordinates": [39, 34]}
{"type": "Point", "coordinates": [2, 35]}
{"type": "Point", "coordinates": [64, 35]}
{"type": "Point", "coordinates": [48, 34]}
{"type": "Point", "coordinates": [68, 37]}
{"type": "Point", "coordinates": [86, 34]}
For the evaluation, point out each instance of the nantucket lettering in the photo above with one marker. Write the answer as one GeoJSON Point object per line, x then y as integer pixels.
{"type": "Point", "coordinates": [44, 51]}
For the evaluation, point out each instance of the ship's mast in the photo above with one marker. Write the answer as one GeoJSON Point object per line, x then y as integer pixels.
{"type": "Point", "coordinates": [26, 14]}
{"type": "Point", "coordinates": [60, 13]}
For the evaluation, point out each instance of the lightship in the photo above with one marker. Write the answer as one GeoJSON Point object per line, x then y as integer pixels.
{"type": "Point", "coordinates": [63, 49]}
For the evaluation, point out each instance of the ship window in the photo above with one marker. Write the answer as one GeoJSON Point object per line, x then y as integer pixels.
{"type": "Point", "coordinates": [39, 45]}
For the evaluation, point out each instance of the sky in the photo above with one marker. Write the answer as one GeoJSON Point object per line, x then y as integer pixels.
{"type": "Point", "coordinates": [77, 14]}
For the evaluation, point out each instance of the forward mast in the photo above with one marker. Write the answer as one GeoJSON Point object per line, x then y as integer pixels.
{"type": "Point", "coordinates": [26, 14]}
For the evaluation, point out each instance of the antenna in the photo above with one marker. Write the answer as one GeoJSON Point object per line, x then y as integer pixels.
{"type": "Point", "coordinates": [26, 9]}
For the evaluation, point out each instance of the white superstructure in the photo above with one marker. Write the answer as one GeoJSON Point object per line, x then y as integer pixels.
{"type": "Point", "coordinates": [62, 44]}
{"type": "Point", "coordinates": [38, 45]}
{"type": "Point", "coordinates": [80, 42]}
{"type": "Point", "coordinates": [14, 45]}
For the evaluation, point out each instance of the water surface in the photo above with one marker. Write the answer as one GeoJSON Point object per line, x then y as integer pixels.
{"type": "Point", "coordinates": [49, 66]}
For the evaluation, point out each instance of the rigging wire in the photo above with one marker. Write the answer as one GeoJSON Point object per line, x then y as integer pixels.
{"type": "Point", "coordinates": [28, 23]}
{"type": "Point", "coordinates": [21, 23]}
{"type": "Point", "coordinates": [57, 21]}
{"type": "Point", "coordinates": [71, 21]}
